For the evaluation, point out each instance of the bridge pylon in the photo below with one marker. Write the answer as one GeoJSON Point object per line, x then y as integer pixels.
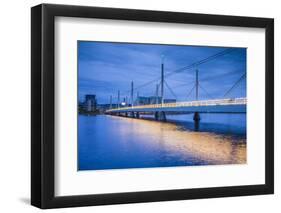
{"type": "Point", "coordinates": [132, 93]}
{"type": "Point", "coordinates": [162, 80]}
{"type": "Point", "coordinates": [118, 99]}
{"type": "Point", "coordinates": [160, 116]}
{"type": "Point", "coordinates": [196, 116]}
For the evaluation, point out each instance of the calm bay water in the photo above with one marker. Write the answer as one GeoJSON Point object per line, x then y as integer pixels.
{"type": "Point", "coordinates": [110, 142]}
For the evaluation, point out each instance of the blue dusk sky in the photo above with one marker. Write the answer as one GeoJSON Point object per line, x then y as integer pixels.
{"type": "Point", "coordinates": [106, 67]}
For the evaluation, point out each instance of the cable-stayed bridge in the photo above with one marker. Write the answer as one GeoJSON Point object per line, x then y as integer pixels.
{"type": "Point", "coordinates": [160, 108]}
{"type": "Point", "coordinates": [237, 105]}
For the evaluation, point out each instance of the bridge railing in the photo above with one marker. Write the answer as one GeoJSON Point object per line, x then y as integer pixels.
{"type": "Point", "coordinates": [229, 101]}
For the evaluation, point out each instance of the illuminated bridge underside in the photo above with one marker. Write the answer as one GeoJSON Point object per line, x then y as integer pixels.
{"type": "Point", "coordinates": [237, 105]}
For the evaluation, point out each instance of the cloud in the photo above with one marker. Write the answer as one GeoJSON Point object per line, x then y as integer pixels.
{"type": "Point", "coordinates": [105, 68]}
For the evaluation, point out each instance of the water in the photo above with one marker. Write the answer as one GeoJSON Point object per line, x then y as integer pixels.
{"type": "Point", "coordinates": [111, 142]}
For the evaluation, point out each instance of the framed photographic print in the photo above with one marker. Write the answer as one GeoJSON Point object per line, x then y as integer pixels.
{"type": "Point", "coordinates": [139, 106]}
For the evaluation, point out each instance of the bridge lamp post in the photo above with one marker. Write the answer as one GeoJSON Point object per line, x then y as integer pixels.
{"type": "Point", "coordinates": [118, 101]}
{"type": "Point", "coordinates": [132, 94]}
{"type": "Point", "coordinates": [137, 98]}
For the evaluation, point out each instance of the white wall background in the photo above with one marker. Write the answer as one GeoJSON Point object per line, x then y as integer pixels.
{"type": "Point", "coordinates": [15, 105]}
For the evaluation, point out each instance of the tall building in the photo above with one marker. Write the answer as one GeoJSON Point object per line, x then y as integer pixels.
{"type": "Point", "coordinates": [90, 103]}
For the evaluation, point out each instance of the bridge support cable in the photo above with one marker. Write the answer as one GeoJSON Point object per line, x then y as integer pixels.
{"type": "Point", "coordinates": [170, 89]}
{"type": "Point", "coordinates": [208, 94]}
{"type": "Point", "coordinates": [235, 85]}
{"type": "Point", "coordinates": [221, 75]}
{"type": "Point", "coordinates": [190, 92]}
{"type": "Point", "coordinates": [183, 85]}
{"type": "Point", "coordinates": [205, 60]}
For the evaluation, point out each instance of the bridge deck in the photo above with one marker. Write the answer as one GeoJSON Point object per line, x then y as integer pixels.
{"type": "Point", "coordinates": [237, 105]}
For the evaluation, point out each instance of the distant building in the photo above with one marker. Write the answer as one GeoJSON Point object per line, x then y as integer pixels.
{"type": "Point", "coordinates": [90, 103]}
{"type": "Point", "coordinates": [142, 100]}
{"type": "Point", "coordinates": [103, 107]}
{"type": "Point", "coordinates": [170, 100]}
{"type": "Point", "coordinates": [81, 105]}
{"type": "Point", "coordinates": [155, 100]}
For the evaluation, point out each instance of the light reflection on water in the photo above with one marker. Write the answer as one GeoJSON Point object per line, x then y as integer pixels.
{"type": "Point", "coordinates": [108, 142]}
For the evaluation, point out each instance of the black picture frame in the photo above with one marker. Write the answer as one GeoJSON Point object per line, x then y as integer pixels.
{"type": "Point", "coordinates": [43, 102]}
